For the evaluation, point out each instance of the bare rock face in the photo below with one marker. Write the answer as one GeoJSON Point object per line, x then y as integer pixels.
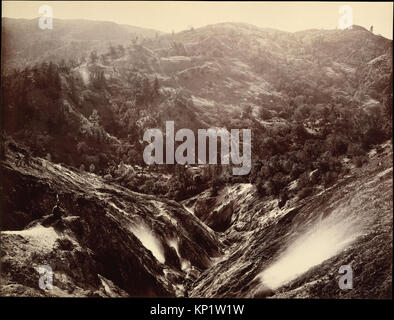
{"type": "Point", "coordinates": [75, 269]}
{"type": "Point", "coordinates": [296, 251]}
{"type": "Point", "coordinates": [108, 241]}
{"type": "Point", "coordinates": [217, 217]}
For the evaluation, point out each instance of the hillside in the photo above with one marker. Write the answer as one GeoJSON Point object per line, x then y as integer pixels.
{"type": "Point", "coordinates": [262, 250]}
{"type": "Point", "coordinates": [76, 102]}
{"type": "Point", "coordinates": [296, 251]}
{"type": "Point", "coordinates": [92, 113]}
{"type": "Point", "coordinates": [141, 245]}
{"type": "Point", "coordinates": [25, 43]}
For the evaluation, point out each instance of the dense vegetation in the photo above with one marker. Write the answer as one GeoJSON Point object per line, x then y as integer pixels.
{"type": "Point", "coordinates": [319, 107]}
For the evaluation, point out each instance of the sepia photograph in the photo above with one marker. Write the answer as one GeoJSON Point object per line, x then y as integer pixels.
{"type": "Point", "coordinates": [196, 149]}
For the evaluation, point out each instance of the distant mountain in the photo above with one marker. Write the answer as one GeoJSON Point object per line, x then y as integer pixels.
{"type": "Point", "coordinates": [24, 42]}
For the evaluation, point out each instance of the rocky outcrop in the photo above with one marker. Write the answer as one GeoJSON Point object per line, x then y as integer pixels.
{"type": "Point", "coordinates": [297, 250]}
{"type": "Point", "coordinates": [109, 241]}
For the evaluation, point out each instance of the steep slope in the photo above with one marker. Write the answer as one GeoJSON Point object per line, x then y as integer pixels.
{"type": "Point", "coordinates": [225, 75]}
{"type": "Point", "coordinates": [297, 250]}
{"type": "Point", "coordinates": [143, 245]}
{"type": "Point", "coordinates": [227, 65]}
{"type": "Point", "coordinates": [24, 43]}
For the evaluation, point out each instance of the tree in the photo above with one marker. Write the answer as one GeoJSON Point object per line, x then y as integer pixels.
{"type": "Point", "coordinates": [92, 167]}
{"type": "Point", "coordinates": [94, 118]}
{"type": "Point", "coordinates": [121, 50]}
{"type": "Point", "coordinates": [53, 79]}
{"type": "Point", "coordinates": [247, 112]}
{"type": "Point", "coordinates": [260, 186]}
{"type": "Point", "coordinates": [146, 90]}
{"type": "Point", "coordinates": [388, 106]}
{"type": "Point", "coordinates": [99, 79]}
{"type": "Point", "coordinates": [264, 113]}
{"type": "Point", "coordinates": [104, 59]}
{"type": "Point", "coordinates": [93, 56]}
{"type": "Point", "coordinates": [63, 66]}
{"type": "Point", "coordinates": [374, 135]}
{"type": "Point", "coordinates": [156, 87]}
{"type": "Point", "coordinates": [112, 51]}
{"type": "Point", "coordinates": [337, 146]}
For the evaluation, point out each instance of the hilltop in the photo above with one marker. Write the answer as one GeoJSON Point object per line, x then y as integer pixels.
{"type": "Point", "coordinates": [24, 43]}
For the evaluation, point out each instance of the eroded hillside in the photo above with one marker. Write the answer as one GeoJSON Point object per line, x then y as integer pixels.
{"type": "Point", "coordinates": [297, 250]}
{"type": "Point", "coordinates": [110, 241]}
{"type": "Point", "coordinates": [141, 245]}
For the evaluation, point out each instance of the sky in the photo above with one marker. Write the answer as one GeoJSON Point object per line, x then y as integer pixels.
{"type": "Point", "coordinates": [176, 16]}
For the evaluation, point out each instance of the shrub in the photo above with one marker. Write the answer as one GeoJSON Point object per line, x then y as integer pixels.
{"type": "Point", "coordinates": [373, 136]}
{"type": "Point", "coordinates": [359, 161]}
{"type": "Point", "coordinates": [355, 150]}
{"type": "Point", "coordinates": [260, 186]}
{"type": "Point", "coordinates": [265, 114]}
{"type": "Point", "coordinates": [305, 192]}
{"type": "Point", "coordinates": [330, 178]}
{"type": "Point", "coordinates": [283, 197]}
{"type": "Point", "coordinates": [337, 146]}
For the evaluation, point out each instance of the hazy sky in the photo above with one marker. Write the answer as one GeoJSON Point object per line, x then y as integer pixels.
{"type": "Point", "coordinates": [167, 16]}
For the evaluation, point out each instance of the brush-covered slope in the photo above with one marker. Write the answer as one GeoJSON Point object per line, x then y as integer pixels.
{"type": "Point", "coordinates": [225, 75]}
{"type": "Point", "coordinates": [24, 43]}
